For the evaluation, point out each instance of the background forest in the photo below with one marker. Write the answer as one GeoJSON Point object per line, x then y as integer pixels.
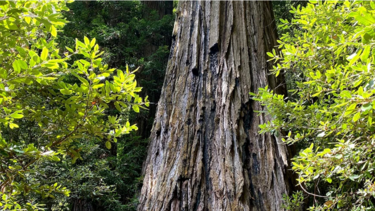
{"type": "Point", "coordinates": [114, 55]}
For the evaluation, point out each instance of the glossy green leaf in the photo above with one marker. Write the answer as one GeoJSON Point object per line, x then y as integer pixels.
{"type": "Point", "coordinates": [44, 54]}
{"type": "Point", "coordinates": [108, 145]}
{"type": "Point", "coordinates": [135, 108]}
{"type": "Point", "coordinates": [53, 31]}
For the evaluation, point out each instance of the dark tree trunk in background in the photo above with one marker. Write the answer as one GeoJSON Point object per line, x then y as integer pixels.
{"type": "Point", "coordinates": [205, 151]}
{"type": "Point", "coordinates": [82, 205]}
{"type": "Point", "coordinates": [162, 8]}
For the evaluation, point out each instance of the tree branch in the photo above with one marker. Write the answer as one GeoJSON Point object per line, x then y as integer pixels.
{"type": "Point", "coordinates": [315, 195]}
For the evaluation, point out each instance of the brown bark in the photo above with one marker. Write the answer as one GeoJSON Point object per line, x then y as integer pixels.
{"type": "Point", "coordinates": [205, 151]}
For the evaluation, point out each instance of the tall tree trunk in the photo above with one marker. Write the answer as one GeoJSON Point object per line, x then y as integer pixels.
{"type": "Point", "coordinates": [205, 151]}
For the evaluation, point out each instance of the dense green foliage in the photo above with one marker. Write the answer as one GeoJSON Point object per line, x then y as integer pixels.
{"type": "Point", "coordinates": [282, 12]}
{"type": "Point", "coordinates": [329, 111]}
{"type": "Point", "coordinates": [52, 104]}
{"type": "Point", "coordinates": [130, 33]}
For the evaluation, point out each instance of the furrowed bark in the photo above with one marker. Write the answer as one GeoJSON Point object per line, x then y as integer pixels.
{"type": "Point", "coordinates": [205, 151]}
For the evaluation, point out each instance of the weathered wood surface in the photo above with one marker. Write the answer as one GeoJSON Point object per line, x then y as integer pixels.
{"type": "Point", "coordinates": [205, 151]}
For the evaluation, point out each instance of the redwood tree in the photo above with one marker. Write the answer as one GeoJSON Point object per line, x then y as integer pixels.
{"type": "Point", "coordinates": [205, 151]}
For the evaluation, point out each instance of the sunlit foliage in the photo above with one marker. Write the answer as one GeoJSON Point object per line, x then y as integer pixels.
{"type": "Point", "coordinates": [330, 107]}
{"type": "Point", "coordinates": [65, 101]}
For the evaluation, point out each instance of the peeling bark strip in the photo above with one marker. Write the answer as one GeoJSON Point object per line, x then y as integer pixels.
{"type": "Point", "coordinates": [205, 151]}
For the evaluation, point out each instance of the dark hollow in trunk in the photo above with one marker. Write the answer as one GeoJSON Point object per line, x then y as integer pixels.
{"type": "Point", "coordinates": [205, 151]}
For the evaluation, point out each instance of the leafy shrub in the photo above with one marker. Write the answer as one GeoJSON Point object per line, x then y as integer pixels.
{"type": "Point", "coordinates": [330, 108]}
{"type": "Point", "coordinates": [51, 103]}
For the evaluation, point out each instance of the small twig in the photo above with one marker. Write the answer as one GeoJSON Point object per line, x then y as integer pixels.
{"type": "Point", "coordinates": [315, 195]}
{"type": "Point", "coordinates": [66, 137]}
{"type": "Point", "coordinates": [79, 125]}
{"type": "Point", "coordinates": [29, 164]}
{"type": "Point", "coordinates": [3, 18]}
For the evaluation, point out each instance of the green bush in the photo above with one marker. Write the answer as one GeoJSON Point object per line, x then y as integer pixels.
{"type": "Point", "coordinates": [51, 103]}
{"type": "Point", "coordinates": [330, 107]}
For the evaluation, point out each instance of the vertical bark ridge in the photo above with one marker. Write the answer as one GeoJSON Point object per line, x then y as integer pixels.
{"type": "Point", "coordinates": [205, 151]}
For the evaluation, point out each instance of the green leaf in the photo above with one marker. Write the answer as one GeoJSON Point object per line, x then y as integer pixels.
{"type": "Point", "coordinates": [17, 115]}
{"type": "Point", "coordinates": [350, 109]}
{"type": "Point", "coordinates": [107, 88]}
{"type": "Point", "coordinates": [353, 58]}
{"type": "Point", "coordinates": [365, 18]}
{"type": "Point", "coordinates": [270, 54]}
{"type": "Point", "coordinates": [13, 125]}
{"type": "Point", "coordinates": [318, 74]}
{"type": "Point", "coordinates": [277, 73]}
{"type": "Point", "coordinates": [84, 81]}
{"type": "Point", "coordinates": [69, 49]}
{"type": "Point", "coordinates": [138, 89]}
{"type": "Point", "coordinates": [369, 121]}
{"type": "Point", "coordinates": [66, 91]}
{"type": "Point", "coordinates": [53, 31]}
{"type": "Point", "coordinates": [51, 65]}
{"type": "Point", "coordinates": [79, 44]}
{"type": "Point", "coordinates": [366, 53]}
{"type": "Point", "coordinates": [97, 86]}
{"type": "Point", "coordinates": [92, 43]}
{"type": "Point", "coordinates": [22, 64]}
{"type": "Point", "coordinates": [54, 158]}
{"type": "Point", "coordinates": [16, 67]}
{"type": "Point", "coordinates": [136, 108]}
{"type": "Point", "coordinates": [44, 54]}
{"type": "Point", "coordinates": [87, 41]}
{"type": "Point", "coordinates": [356, 116]}
{"type": "Point", "coordinates": [108, 144]}
{"type": "Point", "coordinates": [118, 106]}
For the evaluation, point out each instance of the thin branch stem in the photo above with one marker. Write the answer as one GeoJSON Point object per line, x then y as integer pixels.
{"type": "Point", "coordinates": [315, 195]}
